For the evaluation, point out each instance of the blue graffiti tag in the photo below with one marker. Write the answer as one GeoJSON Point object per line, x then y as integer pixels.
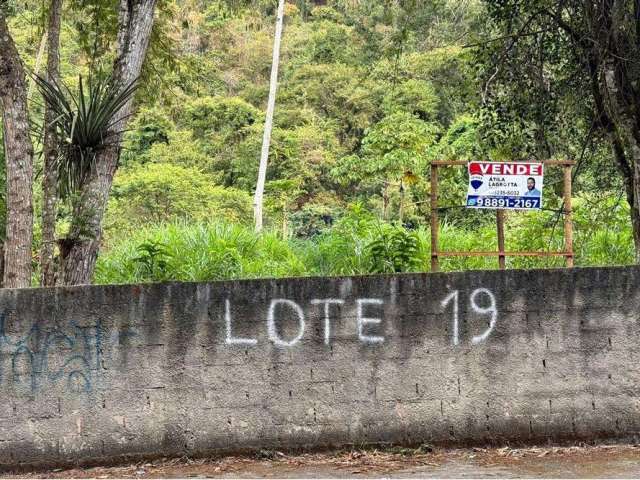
{"type": "Point", "coordinates": [78, 350]}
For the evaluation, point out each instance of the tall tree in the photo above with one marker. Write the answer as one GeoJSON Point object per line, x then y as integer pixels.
{"type": "Point", "coordinates": [19, 163]}
{"type": "Point", "coordinates": [577, 59]}
{"type": "Point", "coordinates": [80, 248]}
{"type": "Point", "coordinates": [268, 124]}
{"type": "Point", "coordinates": [50, 176]}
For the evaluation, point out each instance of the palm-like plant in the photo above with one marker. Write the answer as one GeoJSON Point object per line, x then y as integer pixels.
{"type": "Point", "coordinates": [83, 121]}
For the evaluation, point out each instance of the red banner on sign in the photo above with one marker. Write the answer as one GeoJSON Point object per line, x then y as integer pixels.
{"type": "Point", "coordinates": [490, 168]}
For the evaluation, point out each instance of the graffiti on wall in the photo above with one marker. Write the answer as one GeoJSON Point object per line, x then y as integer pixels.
{"type": "Point", "coordinates": [369, 318]}
{"type": "Point", "coordinates": [47, 355]}
{"type": "Point", "coordinates": [67, 354]}
{"type": "Point", "coordinates": [70, 355]}
{"type": "Point", "coordinates": [491, 310]}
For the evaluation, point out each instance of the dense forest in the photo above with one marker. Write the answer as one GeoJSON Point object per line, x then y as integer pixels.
{"type": "Point", "coordinates": [164, 129]}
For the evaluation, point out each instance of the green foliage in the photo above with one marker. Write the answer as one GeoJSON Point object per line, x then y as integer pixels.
{"type": "Point", "coordinates": [602, 235]}
{"type": "Point", "coordinates": [337, 92]}
{"type": "Point", "coordinates": [394, 147]}
{"type": "Point", "coordinates": [152, 261]}
{"type": "Point", "coordinates": [416, 97]}
{"type": "Point", "coordinates": [370, 92]}
{"type": "Point", "coordinates": [82, 123]}
{"type": "Point", "coordinates": [315, 218]}
{"type": "Point", "coordinates": [208, 115]}
{"type": "Point", "coordinates": [217, 14]}
{"type": "Point", "coordinates": [324, 12]}
{"type": "Point", "coordinates": [399, 140]}
{"type": "Point", "coordinates": [331, 42]}
{"type": "Point", "coordinates": [180, 149]}
{"type": "Point", "coordinates": [165, 192]}
{"type": "Point", "coordinates": [150, 126]}
{"type": "Point", "coordinates": [95, 23]}
{"type": "Point", "coordinates": [527, 113]}
{"type": "Point", "coordinates": [303, 153]}
{"type": "Point", "coordinates": [394, 250]}
{"type": "Point", "coordinates": [461, 141]}
{"type": "Point", "coordinates": [342, 249]}
{"type": "Point", "coordinates": [359, 243]}
{"type": "Point", "coordinates": [450, 71]}
{"type": "Point", "coordinates": [201, 252]}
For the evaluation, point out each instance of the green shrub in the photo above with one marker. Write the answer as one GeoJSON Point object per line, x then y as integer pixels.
{"type": "Point", "coordinates": [180, 149]}
{"type": "Point", "coordinates": [152, 261]}
{"type": "Point", "coordinates": [416, 97]}
{"type": "Point", "coordinates": [394, 250]}
{"type": "Point", "coordinates": [150, 126]}
{"type": "Point", "coordinates": [206, 115]}
{"type": "Point", "coordinates": [198, 252]}
{"type": "Point", "coordinates": [163, 192]}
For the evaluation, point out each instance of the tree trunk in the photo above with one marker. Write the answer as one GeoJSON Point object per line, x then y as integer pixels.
{"type": "Point", "coordinates": [626, 122]}
{"type": "Point", "coordinates": [2, 260]}
{"type": "Point", "coordinates": [385, 201]}
{"type": "Point", "coordinates": [268, 124]}
{"type": "Point", "coordinates": [79, 250]}
{"type": "Point", "coordinates": [285, 224]}
{"type": "Point", "coordinates": [50, 175]}
{"type": "Point", "coordinates": [635, 210]}
{"type": "Point", "coordinates": [401, 210]}
{"type": "Point", "coordinates": [19, 163]}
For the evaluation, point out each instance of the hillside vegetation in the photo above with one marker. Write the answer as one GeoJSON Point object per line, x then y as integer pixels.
{"type": "Point", "coordinates": [370, 92]}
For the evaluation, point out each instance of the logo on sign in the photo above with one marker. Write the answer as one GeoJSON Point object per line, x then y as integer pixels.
{"type": "Point", "coordinates": [476, 181]}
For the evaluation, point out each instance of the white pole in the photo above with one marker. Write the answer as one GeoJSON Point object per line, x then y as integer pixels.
{"type": "Point", "coordinates": [268, 124]}
{"type": "Point", "coordinates": [36, 70]}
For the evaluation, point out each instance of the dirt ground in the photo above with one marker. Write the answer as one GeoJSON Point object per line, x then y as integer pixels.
{"type": "Point", "coordinates": [606, 461]}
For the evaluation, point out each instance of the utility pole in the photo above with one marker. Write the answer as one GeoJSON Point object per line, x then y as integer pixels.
{"type": "Point", "coordinates": [268, 124]}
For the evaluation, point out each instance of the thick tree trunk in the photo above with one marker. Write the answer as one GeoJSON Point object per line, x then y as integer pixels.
{"type": "Point", "coordinates": [631, 184]}
{"type": "Point", "coordinates": [19, 163]}
{"type": "Point", "coordinates": [625, 119]}
{"type": "Point", "coordinates": [635, 210]}
{"type": "Point", "coordinates": [79, 251]}
{"type": "Point", "coordinates": [50, 176]}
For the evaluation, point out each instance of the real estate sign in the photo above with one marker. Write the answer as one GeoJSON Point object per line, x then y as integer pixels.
{"type": "Point", "coordinates": [513, 185]}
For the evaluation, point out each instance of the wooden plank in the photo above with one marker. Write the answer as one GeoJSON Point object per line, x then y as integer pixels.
{"type": "Point", "coordinates": [559, 162]}
{"type": "Point", "coordinates": [568, 223]}
{"type": "Point", "coordinates": [506, 254]}
{"type": "Point", "coordinates": [434, 218]}
{"type": "Point", "coordinates": [460, 163]}
{"type": "Point", "coordinates": [451, 163]}
{"type": "Point", "coordinates": [500, 227]}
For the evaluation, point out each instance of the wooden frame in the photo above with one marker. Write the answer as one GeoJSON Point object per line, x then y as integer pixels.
{"type": "Point", "coordinates": [501, 253]}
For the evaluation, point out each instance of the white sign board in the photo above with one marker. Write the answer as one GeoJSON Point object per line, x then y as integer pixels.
{"type": "Point", "coordinates": [515, 186]}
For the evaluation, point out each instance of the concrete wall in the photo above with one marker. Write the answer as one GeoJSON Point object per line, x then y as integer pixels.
{"type": "Point", "coordinates": [94, 372]}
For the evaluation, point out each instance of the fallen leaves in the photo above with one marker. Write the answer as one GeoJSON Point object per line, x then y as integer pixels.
{"type": "Point", "coordinates": [384, 461]}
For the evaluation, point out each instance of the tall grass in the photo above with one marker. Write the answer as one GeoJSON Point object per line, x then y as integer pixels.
{"type": "Point", "coordinates": [201, 252]}
{"type": "Point", "coordinates": [218, 250]}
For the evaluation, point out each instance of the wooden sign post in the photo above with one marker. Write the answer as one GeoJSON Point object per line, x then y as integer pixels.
{"type": "Point", "coordinates": [500, 214]}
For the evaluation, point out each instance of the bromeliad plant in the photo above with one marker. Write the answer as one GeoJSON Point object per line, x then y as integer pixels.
{"type": "Point", "coordinates": [84, 122]}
